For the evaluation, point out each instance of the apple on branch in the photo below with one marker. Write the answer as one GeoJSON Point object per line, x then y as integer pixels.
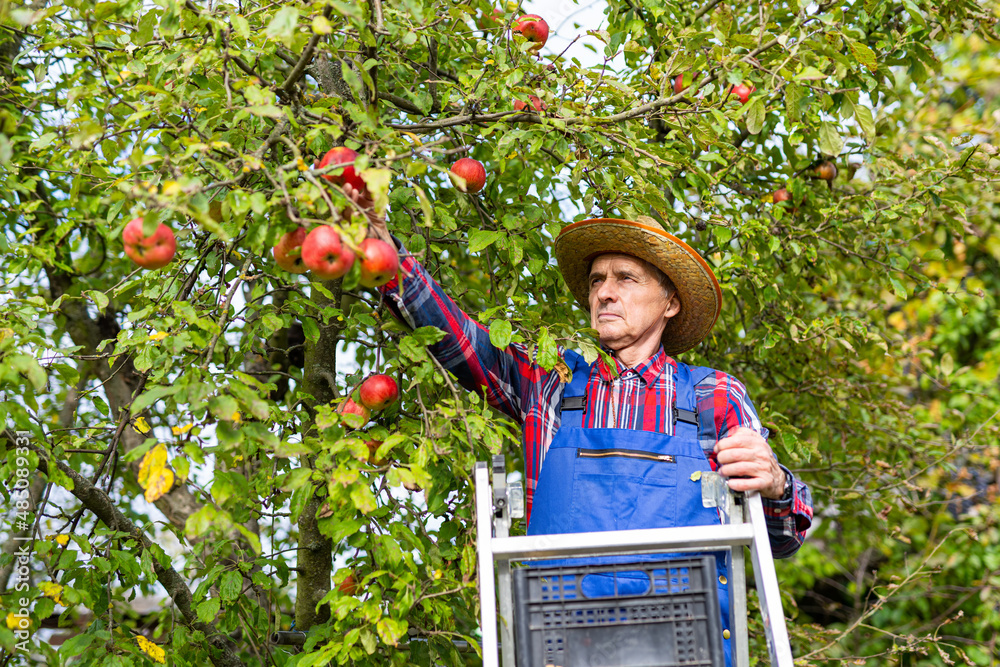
{"type": "Point", "coordinates": [537, 104]}
{"type": "Point", "coordinates": [534, 28]}
{"type": "Point", "coordinates": [743, 92]}
{"type": "Point", "coordinates": [149, 252]}
{"type": "Point", "coordinates": [379, 262]}
{"type": "Point", "coordinates": [344, 156]}
{"type": "Point", "coordinates": [378, 392]}
{"type": "Point", "coordinates": [354, 414]}
{"type": "Point", "coordinates": [288, 252]}
{"type": "Point", "coordinates": [325, 254]}
{"type": "Point", "coordinates": [472, 172]}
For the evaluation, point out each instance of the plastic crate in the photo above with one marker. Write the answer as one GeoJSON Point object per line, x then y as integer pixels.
{"type": "Point", "coordinates": [659, 614]}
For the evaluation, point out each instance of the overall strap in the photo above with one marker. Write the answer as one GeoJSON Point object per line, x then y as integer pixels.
{"type": "Point", "coordinates": [685, 403]}
{"type": "Point", "coordinates": [574, 398]}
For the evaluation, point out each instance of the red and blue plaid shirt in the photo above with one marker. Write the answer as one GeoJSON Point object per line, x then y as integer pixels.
{"type": "Point", "coordinates": [514, 384]}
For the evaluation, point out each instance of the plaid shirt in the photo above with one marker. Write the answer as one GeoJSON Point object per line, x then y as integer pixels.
{"type": "Point", "coordinates": [639, 398]}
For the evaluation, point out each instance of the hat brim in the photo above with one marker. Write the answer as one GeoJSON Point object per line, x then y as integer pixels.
{"type": "Point", "coordinates": [701, 297]}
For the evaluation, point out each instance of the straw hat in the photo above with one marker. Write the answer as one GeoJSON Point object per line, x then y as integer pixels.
{"type": "Point", "coordinates": [701, 297]}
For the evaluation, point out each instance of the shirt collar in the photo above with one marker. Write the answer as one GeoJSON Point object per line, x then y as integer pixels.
{"type": "Point", "coordinates": [647, 371]}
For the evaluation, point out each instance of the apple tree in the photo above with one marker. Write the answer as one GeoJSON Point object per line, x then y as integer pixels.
{"type": "Point", "coordinates": [175, 432]}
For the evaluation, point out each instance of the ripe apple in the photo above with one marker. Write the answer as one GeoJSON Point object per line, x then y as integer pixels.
{"type": "Point", "coordinates": [152, 252]}
{"type": "Point", "coordinates": [534, 28]}
{"type": "Point", "coordinates": [826, 170]}
{"type": "Point", "coordinates": [743, 91]}
{"type": "Point", "coordinates": [379, 262]}
{"type": "Point", "coordinates": [538, 105]}
{"type": "Point", "coordinates": [378, 392]}
{"type": "Point", "coordinates": [355, 415]}
{"type": "Point", "coordinates": [373, 446]}
{"type": "Point", "coordinates": [781, 195]}
{"type": "Point", "coordinates": [472, 171]}
{"type": "Point", "coordinates": [325, 255]}
{"type": "Point", "coordinates": [349, 586]}
{"type": "Point", "coordinates": [342, 155]}
{"type": "Point", "coordinates": [679, 83]}
{"type": "Point", "coordinates": [288, 252]}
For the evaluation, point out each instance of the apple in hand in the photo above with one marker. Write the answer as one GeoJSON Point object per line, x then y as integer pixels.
{"type": "Point", "coordinates": [149, 252]}
{"type": "Point", "coordinates": [379, 262]}
{"type": "Point", "coordinates": [288, 252]}
{"type": "Point", "coordinates": [378, 392]}
{"type": "Point", "coordinates": [534, 28]}
{"type": "Point", "coordinates": [743, 91]}
{"type": "Point", "coordinates": [538, 105]}
{"type": "Point", "coordinates": [342, 155]}
{"type": "Point", "coordinates": [472, 171]}
{"type": "Point", "coordinates": [325, 255]}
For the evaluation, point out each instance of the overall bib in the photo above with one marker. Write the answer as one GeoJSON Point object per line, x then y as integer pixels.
{"type": "Point", "coordinates": [597, 479]}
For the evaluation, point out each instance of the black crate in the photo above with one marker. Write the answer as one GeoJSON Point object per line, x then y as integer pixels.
{"type": "Point", "coordinates": [672, 620]}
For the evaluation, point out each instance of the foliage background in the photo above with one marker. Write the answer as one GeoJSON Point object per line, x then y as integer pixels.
{"type": "Point", "coordinates": [861, 317]}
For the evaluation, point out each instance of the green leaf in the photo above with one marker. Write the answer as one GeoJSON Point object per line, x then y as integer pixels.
{"type": "Point", "coordinates": [500, 333]}
{"type": "Point", "coordinates": [145, 29]}
{"type": "Point", "coordinates": [428, 335]}
{"type": "Point", "coordinates": [99, 298]}
{"type": "Point", "coordinates": [755, 116]}
{"type": "Point", "coordinates": [241, 26]}
{"type": "Point", "coordinates": [282, 26]}
{"type": "Point", "coordinates": [865, 120]}
{"type": "Point", "coordinates": [208, 609]}
{"type": "Point", "coordinates": [231, 586]}
{"type": "Point", "coordinates": [830, 141]}
{"type": "Point", "coordinates": [482, 238]}
{"type": "Point", "coordinates": [548, 355]}
{"type": "Point", "coordinates": [793, 96]}
{"type": "Point", "coordinates": [74, 646]}
{"type": "Point", "coordinates": [864, 55]}
{"type": "Point", "coordinates": [43, 141]}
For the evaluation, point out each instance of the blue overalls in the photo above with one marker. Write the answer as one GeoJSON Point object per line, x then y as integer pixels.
{"type": "Point", "coordinates": [596, 479]}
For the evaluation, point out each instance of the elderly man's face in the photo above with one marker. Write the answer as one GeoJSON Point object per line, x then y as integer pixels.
{"type": "Point", "coordinates": [627, 303]}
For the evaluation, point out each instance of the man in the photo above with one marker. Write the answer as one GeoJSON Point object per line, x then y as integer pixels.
{"type": "Point", "coordinates": [616, 450]}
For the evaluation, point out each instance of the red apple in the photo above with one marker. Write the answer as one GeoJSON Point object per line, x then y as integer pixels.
{"type": "Point", "coordinates": [826, 170]}
{"type": "Point", "coordinates": [743, 91]}
{"type": "Point", "coordinates": [325, 255]}
{"type": "Point", "coordinates": [373, 446]}
{"type": "Point", "coordinates": [472, 171]}
{"type": "Point", "coordinates": [378, 392]}
{"type": "Point", "coordinates": [534, 28]}
{"type": "Point", "coordinates": [288, 252]}
{"type": "Point", "coordinates": [781, 195]}
{"type": "Point", "coordinates": [149, 252]}
{"type": "Point", "coordinates": [679, 83]}
{"type": "Point", "coordinates": [487, 21]}
{"type": "Point", "coordinates": [355, 414]}
{"type": "Point", "coordinates": [346, 156]}
{"type": "Point", "coordinates": [537, 104]}
{"type": "Point", "coordinates": [379, 262]}
{"type": "Point", "coordinates": [349, 586]}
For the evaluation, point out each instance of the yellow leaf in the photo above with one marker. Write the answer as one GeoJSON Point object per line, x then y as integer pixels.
{"type": "Point", "coordinates": [62, 540]}
{"type": "Point", "coordinates": [696, 475]}
{"type": "Point", "coordinates": [156, 653]}
{"type": "Point", "coordinates": [236, 418]}
{"type": "Point", "coordinates": [181, 430]}
{"type": "Point", "coordinates": [301, 164]}
{"type": "Point", "coordinates": [141, 426]}
{"type": "Point", "coordinates": [52, 590]}
{"type": "Point", "coordinates": [154, 475]}
{"type": "Point", "coordinates": [159, 335]}
{"type": "Point", "coordinates": [321, 26]}
{"type": "Point", "coordinates": [171, 188]}
{"type": "Point", "coordinates": [13, 622]}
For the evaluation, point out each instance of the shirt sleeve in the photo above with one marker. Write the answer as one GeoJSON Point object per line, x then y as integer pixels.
{"type": "Point", "coordinates": [505, 376]}
{"type": "Point", "coordinates": [787, 518]}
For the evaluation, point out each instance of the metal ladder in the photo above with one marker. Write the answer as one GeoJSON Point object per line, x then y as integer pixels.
{"type": "Point", "coordinates": [743, 525]}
